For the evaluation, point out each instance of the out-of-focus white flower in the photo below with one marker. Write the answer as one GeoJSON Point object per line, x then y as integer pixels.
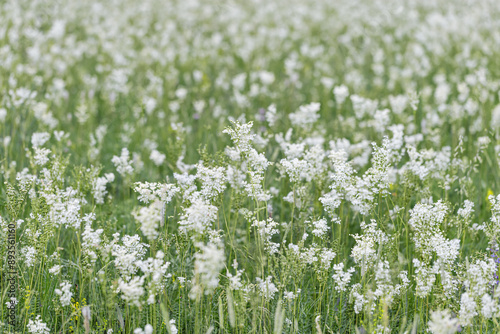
{"type": "Point", "coordinates": [123, 163]}
{"type": "Point", "coordinates": [341, 93]}
{"type": "Point", "coordinates": [209, 261]}
{"type": "Point", "coordinates": [157, 157]}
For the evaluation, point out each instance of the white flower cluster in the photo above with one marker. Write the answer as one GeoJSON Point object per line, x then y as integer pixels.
{"type": "Point", "coordinates": [123, 163]}
{"type": "Point", "coordinates": [64, 293]}
{"type": "Point", "coordinates": [99, 187]}
{"type": "Point", "coordinates": [38, 326]}
{"type": "Point", "coordinates": [209, 261]}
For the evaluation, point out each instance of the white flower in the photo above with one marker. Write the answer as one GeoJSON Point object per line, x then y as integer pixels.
{"type": "Point", "coordinates": [99, 187]}
{"type": "Point", "coordinates": [128, 255]}
{"type": "Point", "coordinates": [149, 217]}
{"type": "Point", "coordinates": [123, 163]}
{"type": "Point", "coordinates": [266, 229]}
{"type": "Point", "coordinates": [213, 181]}
{"type": "Point", "coordinates": [320, 228]}
{"type": "Point", "coordinates": [288, 295]}
{"type": "Point", "coordinates": [198, 217]}
{"type": "Point", "coordinates": [266, 287]}
{"type": "Point", "coordinates": [173, 328]}
{"type": "Point", "coordinates": [40, 157]}
{"type": "Point", "coordinates": [359, 299]}
{"type": "Point", "coordinates": [155, 191]}
{"type": "Point", "coordinates": [64, 293]}
{"type": "Point", "coordinates": [91, 240]}
{"type": "Point", "coordinates": [29, 253]}
{"type": "Point", "coordinates": [241, 136]}
{"type": "Point", "coordinates": [341, 93]}
{"type": "Point", "coordinates": [148, 329]}
{"type": "Point", "coordinates": [398, 103]}
{"type": "Point", "coordinates": [39, 138]}
{"type": "Point", "coordinates": [12, 303]}
{"type": "Point", "coordinates": [495, 117]}
{"type": "Point", "coordinates": [271, 116]}
{"type": "Point", "coordinates": [132, 291]}
{"type": "Point", "coordinates": [37, 326]}
{"type": "Point", "coordinates": [442, 323]}
{"type": "Point", "coordinates": [55, 270]}
{"type": "Point", "coordinates": [340, 277]}
{"type": "Point", "coordinates": [467, 309]}
{"type": "Point", "coordinates": [209, 261]}
{"type": "Point", "coordinates": [157, 157]}
{"type": "Point", "coordinates": [489, 307]}
{"type": "Point", "coordinates": [467, 210]}
{"type": "Point", "coordinates": [306, 115]}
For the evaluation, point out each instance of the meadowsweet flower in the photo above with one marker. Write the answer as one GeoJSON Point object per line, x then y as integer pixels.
{"type": "Point", "coordinates": [148, 329]}
{"type": "Point", "coordinates": [489, 306]}
{"type": "Point", "coordinates": [359, 299]}
{"type": "Point", "coordinates": [266, 288]}
{"type": "Point", "coordinates": [209, 261]}
{"type": "Point", "coordinates": [132, 290]}
{"type": "Point", "coordinates": [270, 115]}
{"type": "Point", "coordinates": [91, 240]}
{"type": "Point", "coordinates": [157, 157]}
{"type": "Point", "coordinates": [198, 217]}
{"type": "Point", "coordinates": [156, 270]}
{"type": "Point", "coordinates": [320, 228]}
{"type": "Point", "coordinates": [442, 322]}
{"type": "Point", "coordinates": [65, 206]}
{"type": "Point", "coordinates": [55, 270]}
{"type": "Point", "coordinates": [289, 295]}
{"type": "Point", "coordinates": [241, 136]}
{"type": "Point", "coordinates": [479, 275]}
{"type": "Point", "coordinates": [38, 326]}
{"type": "Point", "coordinates": [266, 229]}
{"type": "Point", "coordinates": [425, 220]}
{"type": "Point", "coordinates": [40, 157]}
{"type": "Point", "coordinates": [173, 328]}
{"type": "Point", "coordinates": [305, 116]}
{"type": "Point", "coordinates": [12, 303]}
{"type": "Point", "coordinates": [64, 293]}
{"type": "Point", "coordinates": [326, 257]}
{"type": "Point", "coordinates": [364, 252]}
{"type": "Point", "coordinates": [341, 277]}
{"type": "Point", "coordinates": [3, 114]}
{"type": "Point", "coordinates": [386, 290]}
{"type": "Point", "coordinates": [149, 217]}
{"type": "Point", "coordinates": [235, 280]}
{"type": "Point", "coordinates": [363, 106]}
{"type": "Point", "coordinates": [123, 163]}
{"type": "Point", "coordinates": [467, 210]}
{"type": "Point", "coordinates": [39, 138]}
{"type": "Point", "coordinates": [99, 187]}
{"type": "Point", "coordinates": [148, 191]}
{"type": "Point", "coordinates": [29, 254]}
{"type": "Point", "coordinates": [398, 103]}
{"type": "Point", "coordinates": [213, 181]}
{"type": "Point", "coordinates": [127, 255]}
{"type": "Point", "coordinates": [341, 93]}
{"type": "Point", "coordinates": [468, 309]}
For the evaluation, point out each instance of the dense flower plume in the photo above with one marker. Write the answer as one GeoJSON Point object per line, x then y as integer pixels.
{"type": "Point", "coordinates": [298, 166]}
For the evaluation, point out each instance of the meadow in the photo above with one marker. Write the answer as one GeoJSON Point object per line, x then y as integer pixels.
{"type": "Point", "coordinates": [259, 166]}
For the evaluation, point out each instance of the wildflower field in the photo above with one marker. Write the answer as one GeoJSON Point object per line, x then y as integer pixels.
{"type": "Point", "coordinates": [258, 166]}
